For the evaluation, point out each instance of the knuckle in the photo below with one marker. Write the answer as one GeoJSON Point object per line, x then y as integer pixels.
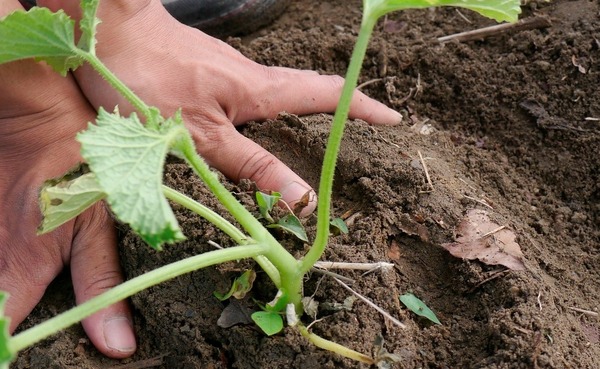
{"type": "Point", "coordinates": [259, 167]}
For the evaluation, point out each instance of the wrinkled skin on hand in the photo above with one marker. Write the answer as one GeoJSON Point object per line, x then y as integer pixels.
{"type": "Point", "coordinates": [40, 114]}
{"type": "Point", "coordinates": [171, 65]}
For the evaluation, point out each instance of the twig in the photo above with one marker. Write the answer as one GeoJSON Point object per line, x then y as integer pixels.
{"type": "Point", "coordinates": [463, 17]}
{"type": "Point", "coordinates": [493, 231]}
{"type": "Point", "coordinates": [539, 300]}
{"type": "Point", "coordinates": [369, 82]}
{"type": "Point", "coordinates": [215, 245]}
{"type": "Point", "coordinates": [587, 312]}
{"type": "Point", "coordinates": [522, 25]}
{"type": "Point", "coordinates": [490, 278]}
{"type": "Point", "coordinates": [426, 171]}
{"type": "Point", "coordinates": [371, 304]}
{"type": "Point", "coordinates": [354, 266]}
{"type": "Point", "coordinates": [333, 275]}
{"type": "Point", "coordinates": [478, 201]}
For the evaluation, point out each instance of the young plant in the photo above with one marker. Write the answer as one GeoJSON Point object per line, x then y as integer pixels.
{"type": "Point", "coordinates": [126, 159]}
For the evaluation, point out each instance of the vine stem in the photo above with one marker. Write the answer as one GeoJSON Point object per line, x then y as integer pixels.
{"type": "Point", "coordinates": [116, 83]}
{"type": "Point", "coordinates": [224, 225]}
{"type": "Point", "coordinates": [39, 332]}
{"type": "Point", "coordinates": [334, 143]}
{"type": "Point", "coordinates": [334, 347]}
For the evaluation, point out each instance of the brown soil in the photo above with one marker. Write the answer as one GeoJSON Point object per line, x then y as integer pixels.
{"type": "Point", "coordinates": [509, 114]}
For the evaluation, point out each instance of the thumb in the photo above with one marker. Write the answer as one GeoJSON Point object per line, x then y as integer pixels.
{"type": "Point", "coordinates": [238, 157]}
{"type": "Point", "coordinates": [95, 269]}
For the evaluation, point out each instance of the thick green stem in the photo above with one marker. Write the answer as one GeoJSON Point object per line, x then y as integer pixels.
{"type": "Point", "coordinates": [334, 143]}
{"type": "Point", "coordinates": [116, 83]}
{"type": "Point", "coordinates": [223, 224]}
{"type": "Point", "coordinates": [287, 265]}
{"type": "Point", "coordinates": [127, 289]}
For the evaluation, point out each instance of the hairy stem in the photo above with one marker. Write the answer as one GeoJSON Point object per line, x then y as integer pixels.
{"type": "Point", "coordinates": [334, 143]}
{"type": "Point", "coordinates": [288, 266]}
{"type": "Point", "coordinates": [116, 83]}
{"type": "Point", "coordinates": [129, 288]}
{"type": "Point", "coordinates": [224, 225]}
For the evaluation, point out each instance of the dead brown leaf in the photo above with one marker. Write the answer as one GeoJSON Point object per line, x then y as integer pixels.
{"type": "Point", "coordinates": [481, 239]}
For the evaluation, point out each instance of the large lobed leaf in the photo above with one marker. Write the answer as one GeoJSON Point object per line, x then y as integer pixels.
{"type": "Point", "coordinates": [127, 159]}
{"type": "Point", "coordinates": [40, 34]}
{"type": "Point", "coordinates": [499, 10]}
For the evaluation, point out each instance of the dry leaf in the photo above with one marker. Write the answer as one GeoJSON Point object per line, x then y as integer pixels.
{"type": "Point", "coordinates": [479, 238]}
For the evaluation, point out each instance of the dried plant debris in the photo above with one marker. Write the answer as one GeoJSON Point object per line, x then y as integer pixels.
{"type": "Point", "coordinates": [479, 238]}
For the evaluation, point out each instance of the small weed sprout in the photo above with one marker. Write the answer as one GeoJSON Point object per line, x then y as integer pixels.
{"type": "Point", "coordinates": [122, 153]}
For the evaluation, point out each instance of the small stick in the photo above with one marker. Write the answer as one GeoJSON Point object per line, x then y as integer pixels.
{"type": "Point", "coordinates": [493, 231]}
{"type": "Point", "coordinates": [478, 201]}
{"type": "Point", "coordinates": [369, 82]}
{"type": "Point", "coordinates": [371, 304]}
{"type": "Point", "coordinates": [215, 245]}
{"type": "Point", "coordinates": [490, 278]}
{"type": "Point", "coordinates": [539, 300]}
{"type": "Point", "coordinates": [332, 275]}
{"type": "Point", "coordinates": [522, 25]}
{"type": "Point", "coordinates": [587, 312]}
{"type": "Point", "coordinates": [426, 170]}
{"type": "Point", "coordinates": [354, 266]}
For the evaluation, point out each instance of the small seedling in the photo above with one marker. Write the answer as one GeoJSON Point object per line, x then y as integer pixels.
{"type": "Point", "coordinates": [418, 307]}
{"type": "Point", "coordinates": [126, 160]}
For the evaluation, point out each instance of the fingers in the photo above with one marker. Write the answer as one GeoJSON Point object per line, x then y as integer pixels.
{"type": "Point", "coordinates": [95, 269]}
{"type": "Point", "coordinates": [238, 157]}
{"type": "Point", "coordinates": [301, 92]}
{"type": "Point", "coordinates": [25, 276]}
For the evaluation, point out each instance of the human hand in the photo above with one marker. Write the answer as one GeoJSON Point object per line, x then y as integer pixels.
{"type": "Point", "coordinates": [171, 65]}
{"type": "Point", "coordinates": [40, 113]}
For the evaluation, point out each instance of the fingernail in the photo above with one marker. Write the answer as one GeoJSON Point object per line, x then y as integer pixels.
{"type": "Point", "coordinates": [118, 334]}
{"type": "Point", "coordinates": [397, 117]}
{"type": "Point", "coordinates": [299, 195]}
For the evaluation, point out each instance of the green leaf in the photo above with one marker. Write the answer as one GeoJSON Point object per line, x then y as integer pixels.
{"type": "Point", "coordinates": [42, 35]}
{"type": "Point", "coordinates": [6, 354]}
{"type": "Point", "coordinates": [266, 203]}
{"type": "Point", "coordinates": [240, 286]}
{"type": "Point", "coordinates": [88, 24]}
{"type": "Point", "coordinates": [418, 307]}
{"type": "Point", "coordinates": [291, 224]}
{"type": "Point", "coordinates": [338, 226]}
{"type": "Point", "coordinates": [65, 198]}
{"type": "Point", "coordinates": [499, 10]}
{"type": "Point", "coordinates": [271, 323]}
{"type": "Point", "coordinates": [128, 161]}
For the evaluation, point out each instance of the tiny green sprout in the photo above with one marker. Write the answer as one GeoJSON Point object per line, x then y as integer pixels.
{"type": "Point", "coordinates": [337, 226]}
{"type": "Point", "coordinates": [240, 286]}
{"type": "Point", "coordinates": [270, 322]}
{"type": "Point", "coordinates": [291, 224]}
{"type": "Point", "coordinates": [418, 307]}
{"type": "Point", "coordinates": [126, 160]}
{"type": "Point", "coordinates": [266, 203]}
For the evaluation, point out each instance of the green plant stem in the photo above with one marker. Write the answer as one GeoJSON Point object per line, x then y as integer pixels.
{"type": "Point", "coordinates": [286, 264]}
{"type": "Point", "coordinates": [334, 347]}
{"type": "Point", "coordinates": [116, 83]}
{"type": "Point", "coordinates": [224, 225]}
{"type": "Point", "coordinates": [334, 143]}
{"type": "Point", "coordinates": [39, 332]}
